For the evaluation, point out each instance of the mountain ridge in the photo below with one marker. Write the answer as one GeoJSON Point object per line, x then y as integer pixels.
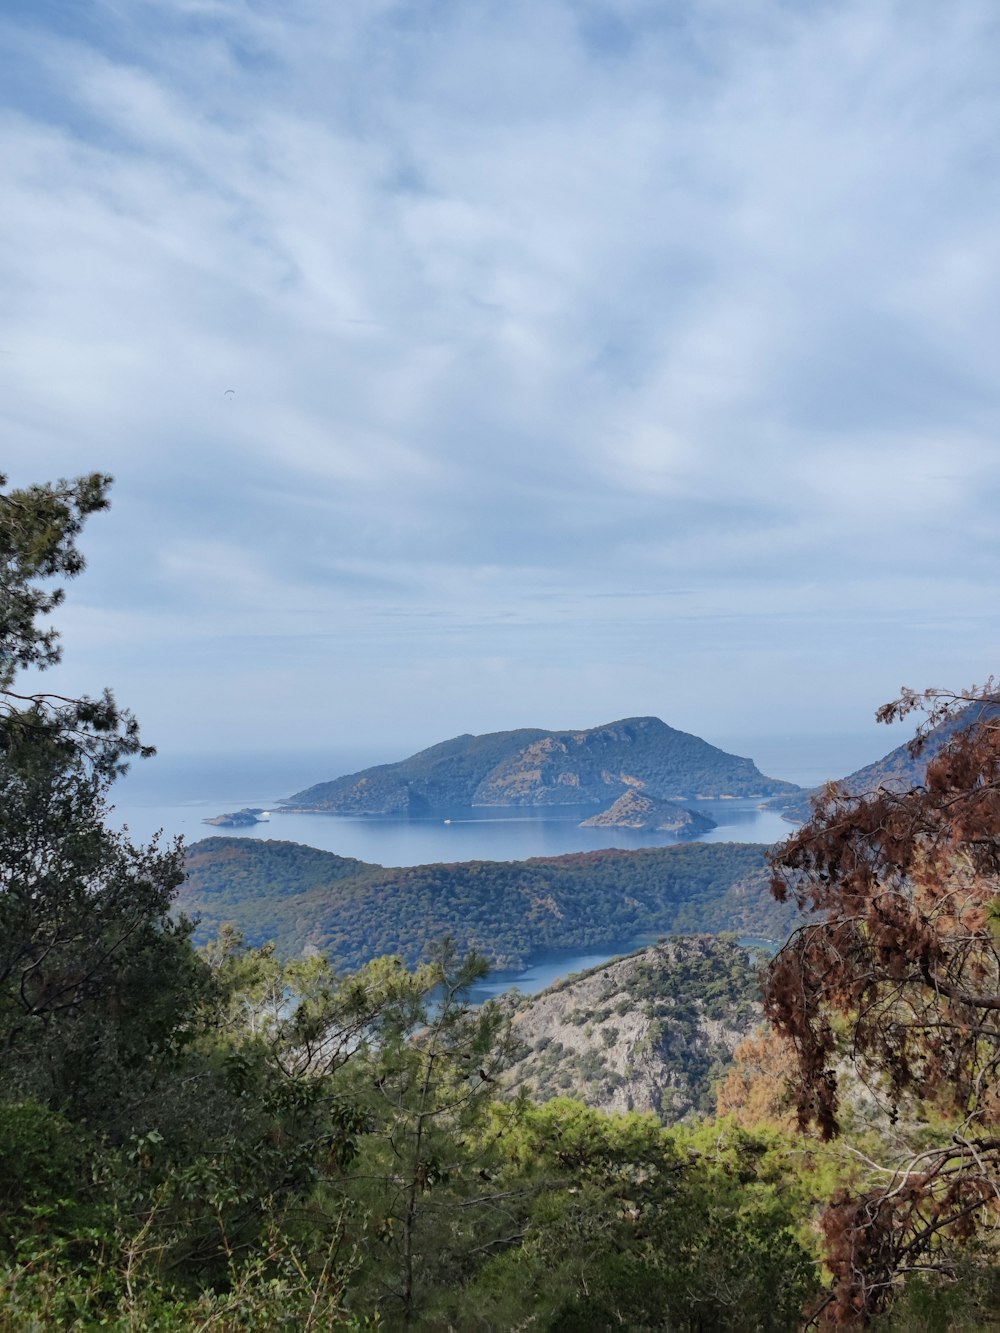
{"type": "Point", "coordinates": [899, 770]}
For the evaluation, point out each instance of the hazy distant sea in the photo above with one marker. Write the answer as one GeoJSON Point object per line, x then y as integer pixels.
{"type": "Point", "coordinates": [176, 792]}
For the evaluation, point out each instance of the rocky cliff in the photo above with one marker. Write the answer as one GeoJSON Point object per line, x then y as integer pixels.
{"type": "Point", "coordinates": [648, 1032]}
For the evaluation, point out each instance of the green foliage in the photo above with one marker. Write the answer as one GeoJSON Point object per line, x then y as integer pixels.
{"type": "Point", "coordinates": [967, 1302]}
{"type": "Point", "coordinates": [39, 527]}
{"type": "Point", "coordinates": [303, 898]}
{"type": "Point", "coordinates": [47, 1195]}
{"type": "Point", "coordinates": [226, 1201]}
{"type": "Point", "coordinates": [143, 1142]}
{"type": "Point", "coordinates": [425, 1170]}
{"type": "Point", "coordinates": [38, 531]}
{"type": "Point", "coordinates": [690, 1000]}
{"type": "Point", "coordinates": [624, 1225]}
{"type": "Point", "coordinates": [90, 958]}
{"type": "Point", "coordinates": [325, 1155]}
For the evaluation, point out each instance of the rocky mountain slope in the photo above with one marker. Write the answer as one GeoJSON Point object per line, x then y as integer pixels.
{"type": "Point", "coordinates": [533, 767]}
{"type": "Point", "coordinates": [636, 810]}
{"type": "Point", "coordinates": [648, 1032]}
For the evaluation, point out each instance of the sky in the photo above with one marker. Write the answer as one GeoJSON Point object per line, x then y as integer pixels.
{"type": "Point", "coordinates": [464, 366]}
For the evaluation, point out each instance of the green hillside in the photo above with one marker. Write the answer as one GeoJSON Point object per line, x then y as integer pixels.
{"type": "Point", "coordinates": [306, 899]}
{"type": "Point", "coordinates": [648, 1032]}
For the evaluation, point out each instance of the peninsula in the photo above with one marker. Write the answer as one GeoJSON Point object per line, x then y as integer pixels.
{"type": "Point", "coordinates": [305, 900]}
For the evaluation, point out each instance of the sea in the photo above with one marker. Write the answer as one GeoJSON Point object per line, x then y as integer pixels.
{"type": "Point", "coordinates": [172, 794]}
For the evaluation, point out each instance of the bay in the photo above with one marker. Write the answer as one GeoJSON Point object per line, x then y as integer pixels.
{"type": "Point", "coordinates": [552, 965]}
{"type": "Point", "coordinates": [548, 967]}
{"type": "Point", "coordinates": [498, 834]}
{"type": "Point", "coordinates": [174, 793]}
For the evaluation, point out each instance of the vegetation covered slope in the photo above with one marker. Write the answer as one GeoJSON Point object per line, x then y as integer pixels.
{"type": "Point", "coordinates": [649, 1032]}
{"type": "Point", "coordinates": [532, 767]}
{"type": "Point", "coordinates": [306, 899]}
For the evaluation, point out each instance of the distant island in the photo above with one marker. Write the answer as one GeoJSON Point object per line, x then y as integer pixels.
{"type": "Point", "coordinates": [240, 818]}
{"type": "Point", "coordinates": [530, 767]}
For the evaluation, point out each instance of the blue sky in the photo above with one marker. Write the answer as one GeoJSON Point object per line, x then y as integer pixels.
{"type": "Point", "coordinates": [589, 358]}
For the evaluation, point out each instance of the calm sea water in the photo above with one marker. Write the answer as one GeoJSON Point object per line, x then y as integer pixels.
{"type": "Point", "coordinates": [177, 792]}
{"type": "Point", "coordinates": [550, 966]}
{"type": "Point", "coordinates": [179, 796]}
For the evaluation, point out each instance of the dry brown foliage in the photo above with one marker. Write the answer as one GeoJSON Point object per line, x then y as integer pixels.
{"type": "Point", "coordinates": [758, 1087]}
{"type": "Point", "coordinates": [900, 971]}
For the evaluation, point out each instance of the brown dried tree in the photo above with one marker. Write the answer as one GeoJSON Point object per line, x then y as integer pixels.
{"type": "Point", "coordinates": [898, 972]}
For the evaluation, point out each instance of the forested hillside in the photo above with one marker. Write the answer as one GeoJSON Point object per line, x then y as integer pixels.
{"type": "Point", "coordinates": [306, 899]}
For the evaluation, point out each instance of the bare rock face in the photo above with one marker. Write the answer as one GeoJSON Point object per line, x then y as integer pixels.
{"type": "Point", "coordinates": [636, 810]}
{"type": "Point", "coordinates": [649, 1032]}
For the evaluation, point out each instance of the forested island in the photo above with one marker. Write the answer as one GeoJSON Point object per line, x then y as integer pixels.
{"type": "Point", "coordinates": [530, 767]}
